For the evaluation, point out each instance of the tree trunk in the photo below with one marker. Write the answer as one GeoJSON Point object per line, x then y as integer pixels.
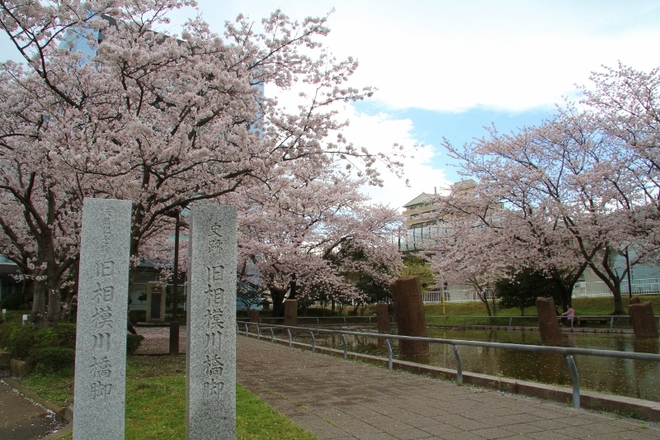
{"type": "Point", "coordinates": [38, 314]}
{"type": "Point", "coordinates": [618, 305]}
{"type": "Point", "coordinates": [54, 308]}
{"type": "Point", "coordinates": [278, 296]}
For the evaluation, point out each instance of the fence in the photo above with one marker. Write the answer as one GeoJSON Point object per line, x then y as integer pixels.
{"type": "Point", "coordinates": [455, 344]}
{"type": "Point", "coordinates": [647, 286]}
{"type": "Point", "coordinates": [465, 295]}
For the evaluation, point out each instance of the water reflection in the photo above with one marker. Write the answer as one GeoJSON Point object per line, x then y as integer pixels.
{"type": "Point", "coordinates": [632, 378]}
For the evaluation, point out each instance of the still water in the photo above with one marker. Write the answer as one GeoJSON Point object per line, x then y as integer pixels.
{"type": "Point", "coordinates": [632, 378]}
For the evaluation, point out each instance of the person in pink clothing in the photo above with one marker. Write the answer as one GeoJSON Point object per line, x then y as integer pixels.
{"type": "Point", "coordinates": [568, 315]}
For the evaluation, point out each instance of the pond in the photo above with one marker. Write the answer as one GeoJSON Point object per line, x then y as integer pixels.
{"type": "Point", "coordinates": [632, 378]}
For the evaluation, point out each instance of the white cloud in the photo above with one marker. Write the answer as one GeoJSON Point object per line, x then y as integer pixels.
{"type": "Point", "coordinates": [379, 133]}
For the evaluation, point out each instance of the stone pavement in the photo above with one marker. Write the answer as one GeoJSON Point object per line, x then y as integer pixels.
{"type": "Point", "coordinates": [337, 399]}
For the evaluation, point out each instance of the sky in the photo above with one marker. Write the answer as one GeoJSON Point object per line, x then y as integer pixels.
{"type": "Point", "coordinates": [448, 69]}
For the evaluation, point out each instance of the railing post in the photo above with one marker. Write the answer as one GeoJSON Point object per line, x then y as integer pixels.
{"type": "Point", "coordinates": [389, 354]}
{"type": "Point", "coordinates": [258, 332]}
{"type": "Point", "coordinates": [576, 381]}
{"type": "Point", "coordinates": [272, 335]}
{"type": "Point", "coordinates": [459, 365]}
{"type": "Point", "coordinates": [317, 320]}
{"type": "Point", "coordinates": [247, 330]}
{"type": "Point", "coordinates": [510, 320]}
{"type": "Point", "coordinates": [290, 339]}
{"type": "Point", "coordinates": [612, 322]}
{"type": "Point", "coordinates": [343, 340]}
{"type": "Point", "coordinates": [313, 342]}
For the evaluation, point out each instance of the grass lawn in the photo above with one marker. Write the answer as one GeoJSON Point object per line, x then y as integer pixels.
{"type": "Point", "coordinates": [155, 402]}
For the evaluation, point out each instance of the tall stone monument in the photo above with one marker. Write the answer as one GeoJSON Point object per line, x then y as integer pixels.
{"type": "Point", "coordinates": [643, 320]}
{"type": "Point", "coordinates": [291, 312]}
{"type": "Point", "coordinates": [100, 370]}
{"type": "Point", "coordinates": [155, 301]}
{"type": "Point", "coordinates": [382, 318]}
{"type": "Point", "coordinates": [383, 322]}
{"type": "Point", "coordinates": [548, 321]}
{"type": "Point", "coordinates": [409, 313]}
{"type": "Point", "coordinates": [211, 338]}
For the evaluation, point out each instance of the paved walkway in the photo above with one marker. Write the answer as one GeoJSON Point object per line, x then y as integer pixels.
{"type": "Point", "coordinates": [22, 419]}
{"type": "Point", "coordinates": [336, 399]}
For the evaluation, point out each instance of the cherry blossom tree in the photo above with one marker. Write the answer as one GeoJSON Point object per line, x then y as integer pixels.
{"type": "Point", "coordinates": [574, 196]}
{"type": "Point", "coordinates": [151, 118]}
{"type": "Point", "coordinates": [304, 235]}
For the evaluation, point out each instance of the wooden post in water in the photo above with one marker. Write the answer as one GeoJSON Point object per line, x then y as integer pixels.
{"type": "Point", "coordinates": [409, 313]}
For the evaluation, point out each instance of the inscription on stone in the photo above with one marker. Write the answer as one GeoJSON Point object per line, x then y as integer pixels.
{"type": "Point", "coordinates": [211, 343]}
{"type": "Point", "coordinates": [100, 371]}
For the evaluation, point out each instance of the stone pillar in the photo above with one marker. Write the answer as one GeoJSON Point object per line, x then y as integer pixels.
{"type": "Point", "coordinates": [291, 312]}
{"type": "Point", "coordinates": [155, 302]}
{"type": "Point", "coordinates": [548, 321]}
{"type": "Point", "coordinates": [383, 318]}
{"type": "Point", "coordinates": [100, 370]}
{"type": "Point", "coordinates": [253, 315]}
{"type": "Point", "coordinates": [409, 313]}
{"type": "Point", "coordinates": [211, 332]}
{"type": "Point", "coordinates": [643, 321]}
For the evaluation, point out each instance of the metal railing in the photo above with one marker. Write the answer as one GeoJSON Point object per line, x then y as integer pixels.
{"type": "Point", "coordinates": [448, 320]}
{"type": "Point", "coordinates": [569, 352]}
{"type": "Point", "coordinates": [318, 319]}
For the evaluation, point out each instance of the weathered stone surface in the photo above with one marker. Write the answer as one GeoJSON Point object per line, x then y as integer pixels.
{"type": "Point", "coordinates": [19, 368]}
{"type": "Point", "coordinates": [66, 413]}
{"type": "Point", "coordinates": [254, 315]}
{"type": "Point", "coordinates": [5, 360]}
{"type": "Point", "coordinates": [383, 318]}
{"type": "Point", "coordinates": [100, 371]}
{"type": "Point", "coordinates": [643, 321]}
{"type": "Point", "coordinates": [211, 338]}
{"type": "Point", "coordinates": [548, 323]}
{"type": "Point", "coordinates": [409, 313]}
{"type": "Point", "coordinates": [291, 312]}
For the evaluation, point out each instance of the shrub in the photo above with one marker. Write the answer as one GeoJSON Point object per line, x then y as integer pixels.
{"type": "Point", "coordinates": [16, 301]}
{"type": "Point", "coordinates": [133, 342]}
{"type": "Point", "coordinates": [54, 359]}
{"type": "Point", "coordinates": [137, 316]}
{"type": "Point", "coordinates": [22, 341]}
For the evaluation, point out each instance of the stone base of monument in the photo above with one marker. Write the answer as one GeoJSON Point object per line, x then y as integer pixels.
{"type": "Point", "coordinates": [19, 368]}
{"type": "Point", "coordinates": [548, 322]}
{"type": "Point", "coordinates": [643, 320]}
{"type": "Point", "coordinates": [409, 313]}
{"type": "Point", "coordinates": [5, 360]}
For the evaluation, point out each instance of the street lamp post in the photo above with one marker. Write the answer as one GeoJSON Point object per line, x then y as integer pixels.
{"type": "Point", "coordinates": [174, 324]}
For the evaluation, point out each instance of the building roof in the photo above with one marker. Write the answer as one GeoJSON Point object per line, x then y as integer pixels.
{"type": "Point", "coordinates": [422, 198]}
